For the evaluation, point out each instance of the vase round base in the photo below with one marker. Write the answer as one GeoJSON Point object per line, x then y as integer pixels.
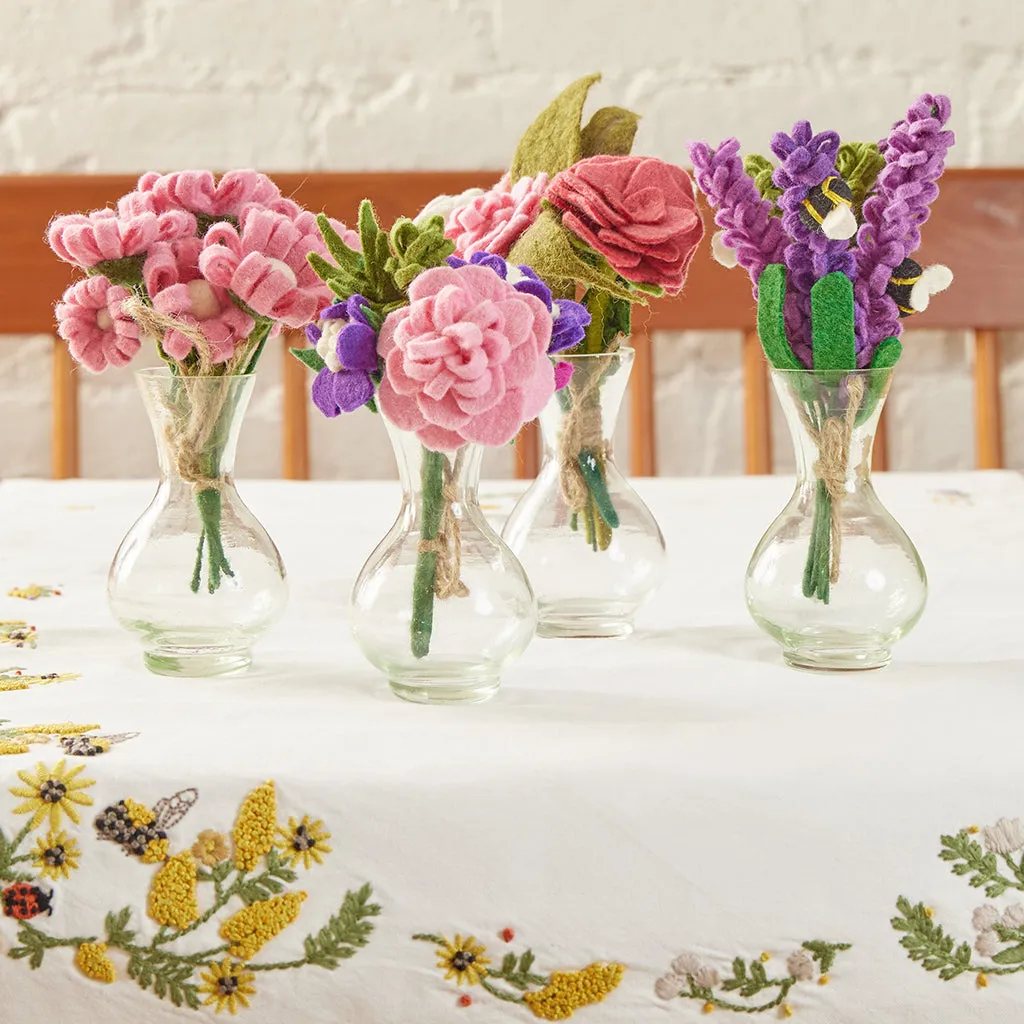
{"type": "Point", "coordinates": [836, 658]}
{"type": "Point", "coordinates": [197, 663]}
{"type": "Point", "coordinates": [434, 689]}
{"type": "Point", "coordinates": [581, 620]}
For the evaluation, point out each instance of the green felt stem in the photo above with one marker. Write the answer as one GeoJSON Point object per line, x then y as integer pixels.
{"type": "Point", "coordinates": [261, 332]}
{"type": "Point", "coordinates": [886, 356]}
{"type": "Point", "coordinates": [823, 543]}
{"type": "Point", "coordinates": [432, 482]}
{"type": "Point", "coordinates": [593, 476]}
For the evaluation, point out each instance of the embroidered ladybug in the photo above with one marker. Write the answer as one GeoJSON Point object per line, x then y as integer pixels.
{"type": "Point", "coordinates": [23, 901]}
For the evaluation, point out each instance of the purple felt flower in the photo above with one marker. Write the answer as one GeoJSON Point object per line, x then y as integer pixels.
{"type": "Point", "coordinates": [570, 323]}
{"type": "Point", "coordinates": [915, 156]}
{"type": "Point", "coordinates": [347, 343]}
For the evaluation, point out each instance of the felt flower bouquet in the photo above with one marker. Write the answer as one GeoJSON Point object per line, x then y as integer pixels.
{"type": "Point", "coordinates": [207, 270]}
{"type": "Point", "coordinates": [828, 235]}
{"type": "Point", "coordinates": [596, 222]}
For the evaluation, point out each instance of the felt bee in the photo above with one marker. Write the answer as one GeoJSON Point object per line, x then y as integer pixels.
{"type": "Point", "coordinates": [115, 823]}
{"type": "Point", "coordinates": [912, 286]}
{"type": "Point", "coordinates": [24, 901]}
{"type": "Point", "coordinates": [90, 746]}
{"type": "Point", "coordinates": [829, 208]}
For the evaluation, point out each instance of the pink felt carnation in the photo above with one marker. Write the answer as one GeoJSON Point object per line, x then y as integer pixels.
{"type": "Point", "coordinates": [265, 265]}
{"type": "Point", "coordinates": [197, 303]}
{"type": "Point", "coordinates": [88, 239]}
{"type": "Point", "coordinates": [638, 212]}
{"type": "Point", "coordinates": [466, 360]}
{"type": "Point", "coordinates": [200, 192]}
{"type": "Point", "coordinates": [492, 222]}
{"type": "Point", "coordinates": [90, 320]}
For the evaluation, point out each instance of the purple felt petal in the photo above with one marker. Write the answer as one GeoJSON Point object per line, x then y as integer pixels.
{"type": "Point", "coordinates": [357, 347]}
{"type": "Point", "coordinates": [336, 311]}
{"type": "Point", "coordinates": [352, 389]}
{"type": "Point", "coordinates": [323, 393]}
{"type": "Point", "coordinates": [535, 288]}
{"type": "Point", "coordinates": [313, 333]}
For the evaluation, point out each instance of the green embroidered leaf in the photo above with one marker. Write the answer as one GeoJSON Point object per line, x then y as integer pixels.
{"type": "Point", "coordinates": [346, 931]}
{"type": "Point", "coordinates": [268, 883]}
{"type": "Point", "coordinates": [927, 943]}
{"type": "Point", "coordinates": [35, 943]}
{"type": "Point", "coordinates": [517, 973]}
{"type": "Point", "coordinates": [222, 870]}
{"type": "Point", "coordinates": [610, 130]}
{"type": "Point", "coordinates": [167, 974]}
{"type": "Point", "coordinates": [554, 140]}
{"type": "Point", "coordinates": [1013, 955]}
{"type": "Point", "coordinates": [968, 858]}
{"type": "Point", "coordinates": [508, 963]}
{"type": "Point", "coordinates": [526, 961]}
{"type": "Point", "coordinates": [309, 357]}
{"type": "Point", "coordinates": [739, 978]}
{"type": "Point", "coordinates": [118, 932]}
{"type": "Point", "coordinates": [825, 953]}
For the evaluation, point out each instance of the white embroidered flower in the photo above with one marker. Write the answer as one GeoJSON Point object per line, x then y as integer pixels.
{"type": "Point", "coordinates": [688, 965]}
{"type": "Point", "coordinates": [1005, 836]}
{"type": "Point", "coordinates": [669, 986]}
{"type": "Point", "coordinates": [327, 346]}
{"type": "Point", "coordinates": [1013, 916]}
{"type": "Point", "coordinates": [987, 943]}
{"type": "Point", "coordinates": [445, 206]}
{"type": "Point", "coordinates": [984, 917]}
{"type": "Point", "coordinates": [800, 965]}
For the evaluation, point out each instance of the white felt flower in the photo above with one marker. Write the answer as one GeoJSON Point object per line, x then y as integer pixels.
{"type": "Point", "coordinates": [987, 943]}
{"type": "Point", "coordinates": [1005, 836]}
{"type": "Point", "coordinates": [444, 206]}
{"type": "Point", "coordinates": [669, 986]}
{"type": "Point", "coordinates": [984, 917]}
{"type": "Point", "coordinates": [800, 965]}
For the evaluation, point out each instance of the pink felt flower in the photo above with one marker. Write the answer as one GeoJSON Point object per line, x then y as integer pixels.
{"type": "Point", "coordinates": [200, 192]}
{"type": "Point", "coordinates": [494, 221]}
{"type": "Point", "coordinates": [90, 320]}
{"type": "Point", "coordinates": [88, 239]}
{"type": "Point", "coordinates": [638, 212]}
{"type": "Point", "coordinates": [466, 360]}
{"type": "Point", "coordinates": [265, 265]}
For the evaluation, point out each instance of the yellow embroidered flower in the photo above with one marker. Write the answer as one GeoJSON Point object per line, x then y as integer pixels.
{"type": "Point", "coordinates": [172, 896]}
{"type": "Point", "coordinates": [254, 926]}
{"type": "Point", "coordinates": [58, 729]}
{"type": "Point", "coordinates": [140, 814]}
{"type": "Point", "coordinates": [13, 747]}
{"type": "Point", "coordinates": [256, 827]}
{"type": "Point", "coordinates": [157, 851]}
{"type": "Point", "coordinates": [569, 990]}
{"type": "Point", "coordinates": [52, 791]}
{"type": "Point", "coordinates": [56, 856]}
{"type": "Point", "coordinates": [92, 960]}
{"type": "Point", "coordinates": [462, 959]}
{"type": "Point", "coordinates": [303, 842]}
{"type": "Point", "coordinates": [227, 986]}
{"type": "Point", "coordinates": [210, 847]}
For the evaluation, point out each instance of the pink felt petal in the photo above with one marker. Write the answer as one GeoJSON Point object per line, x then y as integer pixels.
{"type": "Point", "coordinates": [437, 439]}
{"type": "Point", "coordinates": [499, 424]}
{"type": "Point", "coordinates": [443, 412]}
{"type": "Point", "coordinates": [537, 391]}
{"type": "Point", "coordinates": [474, 404]}
{"type": "Point", "coordinates": [401, 410]}
{"type": "Point", "coordinates": [402, 382]}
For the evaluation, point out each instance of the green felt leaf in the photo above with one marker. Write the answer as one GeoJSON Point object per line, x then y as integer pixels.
{"type": "Point", "coordinates": [310, 357]}
{"type": "Point", "coordinates": [126, 271]}
{"type": "Point", "coordinates": [610, 130]}
{"type": "Point", "coordinates": [832, 330]}
{"type": "Point", "coordinates": [771, 324]}
{"type": "Point", "coordinates": [859, 163]}
{"type": "Point", "coordinates": [554, 140]}
{"type": "Point", "coordinates": [886, 356]}
{"type": "Point", "coordinates": [548, 248]}
{"type": "Point", "coordinates": [346, 257]}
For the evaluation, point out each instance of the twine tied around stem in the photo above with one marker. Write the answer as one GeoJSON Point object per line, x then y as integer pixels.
{"type": "Point", "coordinates": [447, 545]}
{"type": "Point", "coordinates": [832, 440]}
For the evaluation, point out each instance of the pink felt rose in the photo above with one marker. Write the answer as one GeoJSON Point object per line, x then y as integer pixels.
{"type": "Point", "coordinates": [90, 320]}
{"type": "Point", "coordinates": [638, 212]}
{"type": "Point", "coordinates": [492, 222]}
{"type": "Point", "coordinates": [466, 360]}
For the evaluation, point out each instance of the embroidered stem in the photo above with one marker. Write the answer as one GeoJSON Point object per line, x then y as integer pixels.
{"type": "Point", "coordinates": [707, 995]}
{"type": "Point", "coordinates": [8, 849]}
{"type": "Point", "coordinates": [508, 997]}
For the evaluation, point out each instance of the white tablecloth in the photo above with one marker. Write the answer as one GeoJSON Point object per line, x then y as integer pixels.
{"type": "Point", "coordinates": [619, 802]}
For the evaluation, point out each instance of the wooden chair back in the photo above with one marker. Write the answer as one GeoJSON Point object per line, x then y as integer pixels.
{"type": "Point", "coordinates": [974, 229]}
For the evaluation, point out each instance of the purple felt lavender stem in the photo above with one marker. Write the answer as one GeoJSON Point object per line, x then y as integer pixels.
{"type": "Point", "coordinates": [915, 156]}
{"type": "Point", "coordinates": [749, 228]}
{"type": "Point", "coordinates": [807, 160]}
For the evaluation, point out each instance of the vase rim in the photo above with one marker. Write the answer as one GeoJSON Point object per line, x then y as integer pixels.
{"type": "Point", "coordinates": [620, 351]}
{"type": "Point", "coordinates": [164, 373]}
{"type": "Point", "coordinates": [864, 371]}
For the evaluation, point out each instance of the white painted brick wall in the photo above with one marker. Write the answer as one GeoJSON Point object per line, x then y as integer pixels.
{"type": "Point", "coordinates": [129, 85]}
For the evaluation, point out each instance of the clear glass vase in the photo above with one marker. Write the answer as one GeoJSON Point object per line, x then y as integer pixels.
{"type": "Point", "coordinates": [835, 580]}
{"type": "Point", "coordinates": [442, 605]}
{"type": "Point", "coordinates": [197, 577]}
{"type": "Point", "coordinates": [591, 547]}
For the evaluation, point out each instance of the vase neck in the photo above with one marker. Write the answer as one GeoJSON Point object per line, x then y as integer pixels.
{"type": "Point", "coordinates": [196, 423]}
{"type": "Point", "coordinates": [457, 472]}
{"type": "Point", "coordinates": [832, 421]}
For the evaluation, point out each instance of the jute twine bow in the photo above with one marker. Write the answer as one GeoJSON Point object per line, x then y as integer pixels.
{"type": "Point", "coordinates": [447, 546]}
{"type": "Point", "coordinates": [833, 444]}
{"type": "Point", "coordinates": [188, 438]}
{"type": "Point", "coordinates": [582, 429]}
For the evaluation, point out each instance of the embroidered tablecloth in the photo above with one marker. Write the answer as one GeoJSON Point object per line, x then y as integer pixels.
{"type": "Point", "coordinates": [634, 830]}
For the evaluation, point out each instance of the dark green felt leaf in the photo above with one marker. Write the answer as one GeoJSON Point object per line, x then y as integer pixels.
{"type": "Point", "coordinates": [771, 324]}
{"type": "Point", "coordinates": [832, 330]}
{"type": "Point", "coordinates": [610, 130]}
{"type": "Point", "coordinates": [310, 357]}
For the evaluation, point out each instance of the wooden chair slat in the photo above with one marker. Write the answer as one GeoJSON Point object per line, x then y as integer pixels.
{"type": "Point", "coordinates": [757, 424]}
{"type": "Point", "coordinates": [295, 381]}
{"type": "Point", "coordinates": [527, 449]}
{"type": "Point", "coordinates": [880, 451]}
{"type": "Point", "coordinates": [987, 402]}
{"type": "Point", "coordinates": [642, 452]}
{"type": "Point", "coordinates": [64, 442]}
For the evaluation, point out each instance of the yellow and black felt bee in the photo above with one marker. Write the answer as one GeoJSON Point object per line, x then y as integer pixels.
{"type": "Point", "coordinates": [912, 286]}
{"type": "Point", "coordinates": [829, 208]}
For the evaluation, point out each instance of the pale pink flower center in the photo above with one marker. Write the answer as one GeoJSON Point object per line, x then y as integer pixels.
{"type": "Point", "coordinates": [203, 300]}
{"type": "Point", "coordinates": [285, 269]}
{"type": "Point", "coordinates": [104, 321]}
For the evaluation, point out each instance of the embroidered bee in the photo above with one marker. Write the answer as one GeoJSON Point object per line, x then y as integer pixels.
{"type": "Point", "coordinates": [912, 286]}
{"type": "Point", "coordinates": [18, 633]}
{"type": "Point", "coordinates": [136, 828]}
{"type": "Point", "coordinates": [90, 746]}
{"type": "Point", "coordinates": [829, 208]}
{"type": "Point", "coordinates": [24, 901]}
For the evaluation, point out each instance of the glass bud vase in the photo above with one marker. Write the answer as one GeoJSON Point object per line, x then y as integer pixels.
{"type": "Point", "coordinates": [442, 605]}
{"type": "Point", "coordinates": [835, 580]}
{"type": "Point", "coordinates": [197, 578]}
{"type": "Point", "coordinates": [591, 547]}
